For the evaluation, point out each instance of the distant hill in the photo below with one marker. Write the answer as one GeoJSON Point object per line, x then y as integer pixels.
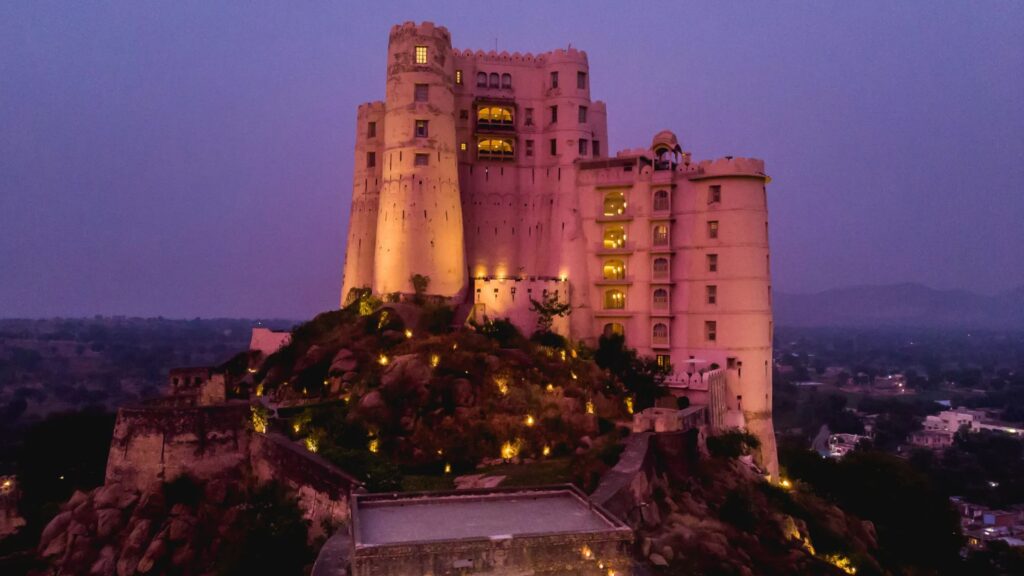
{"type": "Point", "coordinates": [901, 305]}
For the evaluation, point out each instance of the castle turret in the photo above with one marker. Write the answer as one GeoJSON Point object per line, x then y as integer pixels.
{"type": "Point", "coordinates": [419, 224]}
{"type": "Point", "coordinates": [728, 289]}
{"type": "Point", "coordinates": [366, 182]}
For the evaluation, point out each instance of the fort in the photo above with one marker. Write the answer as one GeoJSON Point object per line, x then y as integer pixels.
{"type": "Point", "coordinates": [490, 174]}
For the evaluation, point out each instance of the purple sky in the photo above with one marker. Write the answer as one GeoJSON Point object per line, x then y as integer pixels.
{"type": "Point", "coordinates": [194, 158]}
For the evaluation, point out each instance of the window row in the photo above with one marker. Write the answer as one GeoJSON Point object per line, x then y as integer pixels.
{"type": "Point", "coordinates": [615, 298]}
{"type": "Point", "coordinates": [614, 236]}
{"type": "Point", "coordinates": [615, 201]}
{"type": "Point", "coordinates": [486, 145]}
{"type": "Point", "coordinates": [581, 80]}
{"type": "Point", "coordinates": [615, 269]}
{"type": "Point", "coordinates": [660, 335]}
{"type": "Point", "coordinates": [485, 80]}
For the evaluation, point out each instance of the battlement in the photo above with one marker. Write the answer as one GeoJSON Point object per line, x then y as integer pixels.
{"type": "Point", "coordinates": [377, 107]}
{"type": "Point", "coordinates": [559, 55]}
{"type": "Point", "coordinates": [422, 29]}
{"type": "Point", "coordinates": [728, 166]}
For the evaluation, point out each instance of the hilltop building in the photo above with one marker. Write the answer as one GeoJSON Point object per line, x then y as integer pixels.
{"type": "Point", "coordinates": [489, 173]}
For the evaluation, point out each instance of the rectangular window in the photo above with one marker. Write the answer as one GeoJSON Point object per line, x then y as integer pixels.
{"type": "Point", "coordinates": [371, 159]}
{"type": "Point", "coordinates": [596, 148]}
{"type": "Point", "coordinates": [421, 54]}
{"type": "Point", "coordinates": [554, 147]}
{"type": "Point", "coordinates": [463, 114]}
{"type": "Point", "coordinates": [554, 79]}
{"type": "Point", "coordinates": [462, 146]}
{"type": "Point", "coordinates": [713, 229]}
{"type": "Point", "coordinates": [712, 294]}
{"type": "Point", "coordinates": [458, 77]}
{"type": "Point", "coordinates": [581, 80]}
{"type": "Point", "coordinates": [371, 130]}
{"type": "Point", "coordinates": [664, 360]}
{"type": "Point", "coordinates": [712, 262]}
{"type": "Point", "coordinates": [529, 147]}
{"type": "Point", "coordinates": [714, 194]}
{"type": "Point", "coordinates": [554, 114]}
{"type": "Point", "coordinates": [422, 159]}
{"type": "Point", "coordinates": [421, 128]}
{"type": "Point", "coordinates": [711, 330]}
{"type": "Point", "coordinates": [583, 147]}
{"type": "Point", "coordinates": [529, 117]}
{"type": "Point", "coordinates": [421, 92]}
{"type": "Point", "coordinates": [583, 114]}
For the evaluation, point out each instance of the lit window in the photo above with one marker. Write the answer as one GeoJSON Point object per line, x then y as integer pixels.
{"type": "Point", "coordinates": [663, 360]}
{"type": "Point", "coordinates": [659, 235]}
{"type": "Point", "coordinates": [661, 298]}
{"type": "Point", "coordinates": [614, 203]}
{"type": "Point", "coordinates": [458, 77]}
{"type": "Point", "coordinates": [661, 200]}
{"type": "Point", "coordinates": [614, 300]}
{"type": "Point", "coordinates": [713, 229]}
{"type": "Point", "coordinates": [462, 146]}
{"type": "Point", "coordinates": [422, 159]}
{"type": "Point", "coordinates": [614, 270]}
{"type": "Point", "coordinates": [495, 148]}
{"type": "Point", "coordinates": [421, 54]}
{"type": "Point", "coordinates": [712, 262]}
{"type": "Point", "coordinates": [714, 194]}
{"type": "Point", "coordinates": [421, 128]}
{"type": "Point", "coordinates": [371, 159]}
{"type": "Point", "coordinates": [614, 328]}
{"type": "Point", "coordinates": [712, 293]}
{"type": "Point", "coordinates": [495, 117]}
{"type": "Point", "coordinates": [371, 130]}
{"type": "Point", "coordinates": [661, 268]}
{"type": "Point", "coordinates": [583, 114]}
{"type": "Point", "coordinates": [614, 236]}
{"type": "Point", "coordinates": [529, 147]}
{"type": "Point", "coordinates": [581, 80]}
{"type": "Point", "coordinates": [554, 79]}
{"type": "Point", "coordinates": [583, 147]}
{"type": "Point", "coordinates": [420, 94]}
{"type": "Point", "coordinates": [711, 331]}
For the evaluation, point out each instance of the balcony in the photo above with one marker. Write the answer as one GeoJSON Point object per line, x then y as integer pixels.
{"type": "Point", "coordinates": [660, 342]}
{"type": "Point", "coordinates": [498, 126]}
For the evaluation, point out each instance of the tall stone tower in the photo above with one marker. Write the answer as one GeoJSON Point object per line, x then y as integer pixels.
{"type": "Point", "coordinates": [366, 182]}
{"type": "Point", "coordinates": [727, 281]}
{"type": "Point", "coordinates": [419, 222]}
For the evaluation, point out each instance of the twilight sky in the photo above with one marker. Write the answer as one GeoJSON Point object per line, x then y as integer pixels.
{"type": "Point", "coordinates": [194, 158]}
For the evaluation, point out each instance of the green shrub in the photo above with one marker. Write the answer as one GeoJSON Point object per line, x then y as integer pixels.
{"type": "Point", "coordinates": [732, 444]}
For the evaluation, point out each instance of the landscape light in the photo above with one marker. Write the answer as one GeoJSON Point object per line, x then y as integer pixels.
{"type": "Point", "coordinates": [383, 360]}
{"type": "Point", "coordinates": [434, 360]}
{"type": "Point", "coordinates": [529, 420]}
{"type": "Point", "coordinates": [408, 333]}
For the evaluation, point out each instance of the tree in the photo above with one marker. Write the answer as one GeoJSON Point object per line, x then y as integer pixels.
{"type": "Point", "coordinates": [548, 309]}
{"type": "Point", "coordinates": [642, 376]}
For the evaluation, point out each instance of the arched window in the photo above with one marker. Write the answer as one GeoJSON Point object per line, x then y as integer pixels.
{"type": "Point", "coordinates": [660, 333]}
{"type": "Point", "coordinates": [495, 117]}
{"type": "Point", "coordinates": [614, 300]}
{"type": "Point", "coordinates": [661, 200]}
{"type": "Point", "coordinates": [661, 298]}
{"type": "Point", "coordinates": [494, 80]}
{"type": "Point", "coordinates": [495, 148]}
{"type": "Point", "coordinates": [506, 80]}
{"type": "Point", "coordinates": [614, 203]}
{"type": "Point", "coordinates": [661, 267]}
{"type": "Point", "coordinates": [659, 235]}
{"type": "Point", "coordinates": [481, 79]}
{"type": "Point", "coordinates": [614, 236]}
{"type": "Point", "coordinates": [614, 270]}
{"type": "Point", "coordinates": [614, 328]}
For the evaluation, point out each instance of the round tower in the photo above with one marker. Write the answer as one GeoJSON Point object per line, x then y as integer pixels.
{"type": "Point", "coordinates": [366, 177]}
{"type": "Point", "coordinates": [728, 290]}
{"type": "Point", "coordinates": [419, 223]}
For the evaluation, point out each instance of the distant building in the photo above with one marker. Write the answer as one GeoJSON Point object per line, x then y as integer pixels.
{"type": "Point", "coordinates": [840, 444]}
{"type": "Point", "coordinates": [268, 341]}
{"type": "Point", "coordinates": [933, 439]}
{"type": "Point", "coordinates": [970, 420]}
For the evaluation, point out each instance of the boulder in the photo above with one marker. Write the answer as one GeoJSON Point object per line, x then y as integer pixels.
{"type": "Point", "coordinates": [151, 505]}
{"type": "Point", "coordinates": [180, 529]}
{"type": "Point", "coordinates": [344, 361]}
{"type": "Point", "coordinates": [76, 499]}
{"type": "Point", "coordinates": [657, 559]}
{"type": "Point", "coordinates": [154, 552]}
{"type": "Point", "coordinates": [108, 521]}
{"type": "Point", "coordinates": [57, 527]}
{"type": "Point", "coordinates": [55, 545]}
{"type": "Point", "coordinates": [105, 564]}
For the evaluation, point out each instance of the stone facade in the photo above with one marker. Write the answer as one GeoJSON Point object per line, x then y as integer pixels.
{"type": "Point", "coordinates": [489, 173]}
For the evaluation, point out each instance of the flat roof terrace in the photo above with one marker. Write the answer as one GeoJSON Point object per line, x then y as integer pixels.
{"type": "Point", "coordinates": [499, 514]}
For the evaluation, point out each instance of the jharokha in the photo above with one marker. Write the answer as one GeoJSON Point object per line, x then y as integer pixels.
{"type": "Point", "coordinates": [490, 173]}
